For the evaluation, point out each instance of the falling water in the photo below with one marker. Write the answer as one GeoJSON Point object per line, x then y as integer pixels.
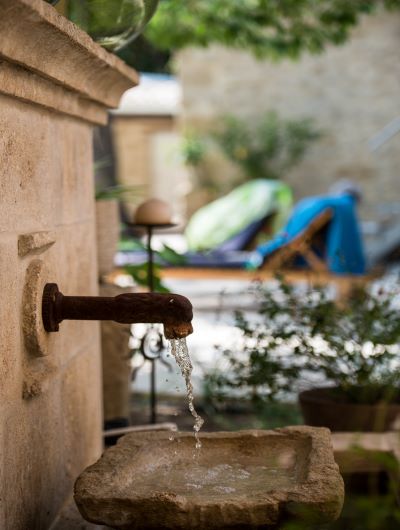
{"type": "Point", "coordinates": [180, 352]}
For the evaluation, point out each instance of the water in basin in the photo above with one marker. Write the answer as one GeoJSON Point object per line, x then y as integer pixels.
{"type": "Point", "coordinates": [218, 481]}
{"type": "Point", "coordinates": [220, 469]}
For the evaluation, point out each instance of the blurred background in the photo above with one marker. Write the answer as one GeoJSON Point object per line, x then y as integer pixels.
{"type": "Point", "coordinates": [204, 63]}
{"type": "Point", "coordinates": [303, 96]}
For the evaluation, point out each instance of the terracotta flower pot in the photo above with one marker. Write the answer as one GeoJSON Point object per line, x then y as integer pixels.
{"type": "Point", "coordinates": [322, 408]}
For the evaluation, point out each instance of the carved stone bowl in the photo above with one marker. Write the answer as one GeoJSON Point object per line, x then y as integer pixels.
{"type": "Point", "coordinates": [244, 479]}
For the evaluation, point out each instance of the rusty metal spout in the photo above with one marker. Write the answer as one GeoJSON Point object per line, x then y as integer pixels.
{"type": "Point", "coordinates": [172, 310]}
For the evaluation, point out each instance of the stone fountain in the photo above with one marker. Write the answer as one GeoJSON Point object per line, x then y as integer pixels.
{"type": "Point", "coordinates": [245, 479]}
{"type": "Point", "coordinates": [55, 85]}
{"type": "Point", "coordinates": [157, 480]}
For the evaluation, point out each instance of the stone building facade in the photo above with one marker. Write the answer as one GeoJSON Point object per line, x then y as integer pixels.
{"type": "Point", "coordinates": [351, 92]}
{"type": "Point", "coordinates": [55, 85]}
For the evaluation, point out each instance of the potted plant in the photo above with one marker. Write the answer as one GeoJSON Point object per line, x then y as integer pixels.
{"type": "Point", "coordinates": [348, 355]}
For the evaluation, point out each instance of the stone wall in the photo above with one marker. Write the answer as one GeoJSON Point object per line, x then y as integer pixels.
{"type": "Point", "coordinates": [53, 88]}
{"type": "Point", "coordinates": [350, 91]}
{"type": "Point", "coordinates": [148, 155]}
{"type": "Point", "coordinates": [133, 134]}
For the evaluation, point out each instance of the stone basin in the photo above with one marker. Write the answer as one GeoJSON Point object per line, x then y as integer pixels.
{"type": "Point", "coordinates": [243, 479]}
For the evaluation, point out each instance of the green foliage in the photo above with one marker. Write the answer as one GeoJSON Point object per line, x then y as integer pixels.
{"type": "Point", "coordinates": [267, 28]}
{"type": "Point", "coordinates": [270, 29]}
{"type": "Point", "coordinates": [194, 149]}
{"type": "Point", "coordinates": [112, 23]}
{"type": "Point", "coordinates": [118, 192]}
{"type": "Point", "coordinates": [297, 334]}
{"type": "Point", "coordinates": [263, 148]}
{"type": "Point", "coordinates": [169, 255]}
{"type": "Point", "coordinates": [268, 148]}
{"type": "Point", "coordinates": [106, 18]}
{"type": "Point", "coordinates": [145, 56]}
{"type": "Point", "coordinates": [371, 513]}
{"type": "Point", "coordinates": [360, 512]}
{"type": "Point", "coordinates": [139, 273]}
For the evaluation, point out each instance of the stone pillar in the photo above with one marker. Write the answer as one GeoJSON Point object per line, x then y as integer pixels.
{"type": "Point", "coordinates": [116, 366]}
{"type": "Point", "coordinates": [55, 84]}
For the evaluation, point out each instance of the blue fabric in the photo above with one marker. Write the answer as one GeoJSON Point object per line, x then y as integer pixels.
{"type": "Point", "coordinates": [343, 249]}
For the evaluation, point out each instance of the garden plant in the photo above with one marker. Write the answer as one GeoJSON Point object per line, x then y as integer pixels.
{"type": "Point", "coordinates": [302, 337]}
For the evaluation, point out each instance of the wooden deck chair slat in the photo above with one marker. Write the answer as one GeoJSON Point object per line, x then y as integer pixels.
{"type": "Point", "coordinates": [301, 245]}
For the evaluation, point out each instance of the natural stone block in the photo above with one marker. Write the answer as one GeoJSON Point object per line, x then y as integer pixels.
{"type": "Point", "coordinates": [81, 414]}
{"type": "Point", "coordinates": [61, 52]}
{"type": "Point", "coordinates": [55, 82]}
{"type": "Point", "coordinates": [35, 243]}
{"type": "Point", "coordinates": [115, 362]}
{"type": "Point", "coordinates": [10, 318]}
{"type": "Point", "coordinates": [245, 479]}
{"type": "Point", "coordinates": [30, 171]}
{"type": "Point", "coordinates": [31, 461]}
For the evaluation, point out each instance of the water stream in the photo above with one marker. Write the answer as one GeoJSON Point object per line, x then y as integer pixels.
{"type": "Point", "coordinates": [180, 353]}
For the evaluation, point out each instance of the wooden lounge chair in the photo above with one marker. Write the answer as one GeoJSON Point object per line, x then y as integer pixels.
{"type": "Point", "coordinates": [282, 262]}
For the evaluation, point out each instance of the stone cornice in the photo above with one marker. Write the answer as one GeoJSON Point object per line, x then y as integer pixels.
{"type": "Point", "coordinates": [47, 53]}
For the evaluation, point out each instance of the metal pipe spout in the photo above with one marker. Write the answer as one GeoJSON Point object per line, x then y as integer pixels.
{"type": "Point", "coordinates": [172, 310]}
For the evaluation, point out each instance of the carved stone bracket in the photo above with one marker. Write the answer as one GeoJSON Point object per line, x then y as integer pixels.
{"type": "Point", "coordinates": [35, 243]}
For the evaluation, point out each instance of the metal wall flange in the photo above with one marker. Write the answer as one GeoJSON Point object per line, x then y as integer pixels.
{"type": "Point", "coordinates": [49, 307]}
{"type": "Point", "coordinates": [38, 342]}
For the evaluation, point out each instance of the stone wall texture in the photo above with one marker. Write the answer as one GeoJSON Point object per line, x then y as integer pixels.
{"type": "Point", "coordinates": [149, 157]}
{"type": "Point", "coordinates": [50, 407]}
{"type": "Point", "coordinates": [48, 439]}
{"type": "Point", "coordinates": [351, 92]}
{"type": "Point", "coordinates": [132, 138]}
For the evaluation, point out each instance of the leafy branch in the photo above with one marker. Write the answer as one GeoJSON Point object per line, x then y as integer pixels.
{"type": "Point", "coordinates": [268, 28]}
